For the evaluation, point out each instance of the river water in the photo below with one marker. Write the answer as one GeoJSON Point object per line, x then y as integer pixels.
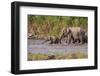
{"type": "Point", "coordinates": [37, 46]}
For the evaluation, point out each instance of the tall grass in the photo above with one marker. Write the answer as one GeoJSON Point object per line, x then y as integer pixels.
{"type": "Point", "coordinates": [52, 25]}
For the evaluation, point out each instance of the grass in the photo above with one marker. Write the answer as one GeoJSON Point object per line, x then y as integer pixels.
{"type": "Point", "coordinates": [67, 55]}
{"type": "Point", "coordinates": [37, 56]}
{"type": "Point", "coordinates": [52, 25]}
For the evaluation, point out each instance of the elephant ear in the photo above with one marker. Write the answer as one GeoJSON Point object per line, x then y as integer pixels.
{"type": "Point", "coordinates": [62, 31]}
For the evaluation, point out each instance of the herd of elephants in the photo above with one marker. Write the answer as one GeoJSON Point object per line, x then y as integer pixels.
{"type": "Point", "coordinates": [69, 35]}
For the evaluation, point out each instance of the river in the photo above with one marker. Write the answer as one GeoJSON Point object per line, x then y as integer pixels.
{"type": "Point", "coordinates": [37, 46]}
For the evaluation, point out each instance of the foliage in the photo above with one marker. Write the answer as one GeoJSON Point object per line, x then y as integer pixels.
{"type": "Point", "coordinates": [52, 25]}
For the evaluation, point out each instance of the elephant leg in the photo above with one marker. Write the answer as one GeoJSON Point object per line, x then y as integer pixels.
{"type": "Point", "coordinates": [69, 41]}
{"type": "Point", "coordinates": [82, 40]}
{"type": "Point", "coordinates": [66, 41]}
{"type": "Point", "coordinates": [56, 41]}
{"type": "Point", "coordinates": [74, 41]}
{"type": "Point", "coordinates": [59, 41]}
{"type": "Point", "coordinates": [85, 39]}
{"type": "Point", "coordinates": [51, 40]}
{"type": "Point", "coordinates": [78, 40]}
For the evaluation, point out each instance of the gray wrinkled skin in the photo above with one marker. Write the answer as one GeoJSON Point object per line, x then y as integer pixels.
{"type": "Point", "coordinates": [74, 35]}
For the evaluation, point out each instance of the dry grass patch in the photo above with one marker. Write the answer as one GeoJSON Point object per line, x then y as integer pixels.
{"type": "Point", "coordinates": [56, 56]}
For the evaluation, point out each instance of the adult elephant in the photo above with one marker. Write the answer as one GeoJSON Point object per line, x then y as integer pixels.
{"type": "Point", "coordinates": [74, 35]}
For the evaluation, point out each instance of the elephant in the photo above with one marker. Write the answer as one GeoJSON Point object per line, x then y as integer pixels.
{"type": "Point", "coordinates": [74, 35]}
{"type": "Point", "coordinates": [53, 40]}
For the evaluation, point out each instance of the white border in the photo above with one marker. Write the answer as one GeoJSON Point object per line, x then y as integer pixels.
{"type": "Point", "coordinates": [26, 65]}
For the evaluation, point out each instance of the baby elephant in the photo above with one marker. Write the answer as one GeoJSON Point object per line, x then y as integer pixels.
{"type": "Point", "coordinates": [53, 40]}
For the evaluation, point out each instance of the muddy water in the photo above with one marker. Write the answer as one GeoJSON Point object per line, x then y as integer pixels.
{"type": "Point", "coordinates": [37, 46]}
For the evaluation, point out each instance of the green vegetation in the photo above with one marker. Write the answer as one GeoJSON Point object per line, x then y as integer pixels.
{"type": "Point", "coordinates": [44, 26]}
{"type": "Point", "coordinates": [67, 55]}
